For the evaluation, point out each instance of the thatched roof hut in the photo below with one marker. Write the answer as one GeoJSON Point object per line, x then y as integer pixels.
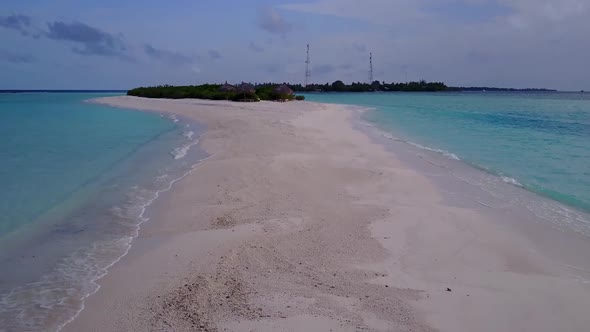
{"type": "Point", "coordinates": [283, 90]}
{"type": "Point", "coordinates": [227, 88]}
{"type": "Point", "coordinates": [246, 88]}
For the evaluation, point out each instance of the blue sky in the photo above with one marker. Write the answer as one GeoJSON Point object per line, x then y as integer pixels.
{"type": "Point", "coordinates": [66, 44]}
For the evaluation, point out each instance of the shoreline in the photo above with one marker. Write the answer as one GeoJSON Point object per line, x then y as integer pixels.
{"type": "Point", "coordinates": [507, 154]}
{"type": "Point", "coordinates": [296, 195]}
{"type": "Point", "coordinates": [143, 219]}
{"type": "Point", "coordinates": [52, 262]}
{"type": "Point", "coordinates": [179, 152]}
{"type": "Point", "coordinates": [441, 168]}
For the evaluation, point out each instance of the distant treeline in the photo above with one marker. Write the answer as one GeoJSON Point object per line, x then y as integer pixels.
{"type": "Point", "coordinates": [242, 92]}
{"type": "Point", "coordinates": [339, 86]}
{"type": "Point", "coordinates": [482, 88]}
{"type": "Point", "coordinates": [62, 91]}
{"type": "Point", "coordinates": [273, 91]}
{"type": "Point", "coordinates": [420, 86]}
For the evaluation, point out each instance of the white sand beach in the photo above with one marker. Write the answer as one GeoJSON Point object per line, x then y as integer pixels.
{"type": "Point", "coordinates": [300, 222]}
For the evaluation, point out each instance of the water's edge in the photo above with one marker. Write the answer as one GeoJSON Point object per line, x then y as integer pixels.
{"type": "Point", "coordinates": [177, 153]}
{"type": "Point", "coordinates": [131, 239]}
{"type": "Point", "coordinates": [99, 229]}
{"type": "Point", "coordinates": [545, 224]}
{"type": "Point", "coordinates": [495, 185]}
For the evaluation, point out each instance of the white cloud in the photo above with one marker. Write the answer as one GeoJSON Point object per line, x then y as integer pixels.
{"type": "Point", "coordinates": [529, 43]}
{"type": "Point", "coordinates": [395, 12]}
{"type": "Point", "coordinates": [377, 11]}
{"type": "Point", "coordinates": [553, 10]}
{"type": "Point", "coordinates": [271, 21]}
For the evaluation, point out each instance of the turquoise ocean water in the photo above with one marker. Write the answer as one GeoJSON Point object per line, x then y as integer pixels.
{"type": "Point", "coordinates": [536, 141]}
{"type": "Point", "coordinates": [76, 179]}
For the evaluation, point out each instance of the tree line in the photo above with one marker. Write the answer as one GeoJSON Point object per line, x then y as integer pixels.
{"type": "Point", "coordinates": [244, 92]}
{"type": "Point", "coordinates": [285, 91]}
{"type": "Point", "coordinates": [419, 86]}
{"type": "Point", "coordinates": [339, 86]}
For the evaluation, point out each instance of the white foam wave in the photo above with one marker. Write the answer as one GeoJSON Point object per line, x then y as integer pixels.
{"type": "Point", "coordinates": [181, 152]}
{"type": "Point", "coordinates": [510, 180]}
{"type": "Point", "coordinates": [393, 138]}
{"type": "Point", "coordinates": [161, 177]}
{"type": "Point", "coordinates": [188, 134]}
{"type": "Point", "coordinates": [443, 152]}
{"type": "Point", "coordinates": [422, 147]}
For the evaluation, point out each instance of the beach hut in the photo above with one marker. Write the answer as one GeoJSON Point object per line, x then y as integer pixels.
{"type": "Point", "coordinates": [247, 92]}
{"type": "Point", "coordinates": [283, 92]}
{"type": "Point", "coordinates": [246, 88]}
{"type": "Point", "coordinates": [227, 88]}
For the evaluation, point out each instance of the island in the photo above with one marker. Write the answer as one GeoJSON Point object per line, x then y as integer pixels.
{"type": "Point", "coordinates": [247, 92]}
{"type": "Point", "coordinates": [339, 86]}
{"type": "Point", "coordinates": [419, 86]}
{"type": "Point", "coordinates": [244, 92]}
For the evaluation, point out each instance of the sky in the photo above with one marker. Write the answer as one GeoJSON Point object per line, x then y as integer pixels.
{"type": "Point", "coordinates": [113, 44]}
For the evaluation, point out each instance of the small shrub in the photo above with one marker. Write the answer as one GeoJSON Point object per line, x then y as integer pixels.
{"type": "Point", "coordinates": [241, 96]}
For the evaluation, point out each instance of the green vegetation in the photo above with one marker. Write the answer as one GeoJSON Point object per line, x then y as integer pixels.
{"type": "Point", "coordinates": [205, 91]}
{"type": "Point", "coordinates": [272, 91]}
{"type": "Point", "coordinates": [340, 86]}
{"type": "Point", "coordinates": [285, 92]}
{"type": "Point", "coordinates": [244, 92]}
{"type": "Point", "coordinates": [421, 86]}
{"type": "Point", "coordinates": [492, 89]}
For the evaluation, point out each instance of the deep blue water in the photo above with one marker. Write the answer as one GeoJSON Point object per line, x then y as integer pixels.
{"type": "Point", "coordinates": [540, 141]}
{"type": "Point", "coordinates": [76, 179]}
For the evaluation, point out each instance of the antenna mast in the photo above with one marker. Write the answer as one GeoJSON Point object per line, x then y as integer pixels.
{"type": "Point", "coordinates": [307, 70]}
{"type": "Point", "coordinates": [370, 68]}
